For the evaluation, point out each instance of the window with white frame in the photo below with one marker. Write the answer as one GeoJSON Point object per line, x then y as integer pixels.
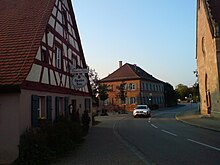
{"type": "Point", "coordinates": [58, 57]}
{"type": "Point", "coordinates": [44, 56]}
{"type": "Point", "coordinates": [42, 107]}
{"type": "Point", "coordinates": [149, 87]}
{"type": "Point", "coordinates": [132, 86]}
{"type": "Point", "coordinates": [132, 100]}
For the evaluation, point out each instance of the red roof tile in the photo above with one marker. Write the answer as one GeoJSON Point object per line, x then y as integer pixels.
{"type": "Point", "coordinates": [129, 72]}
{"type": "Point", "coordinates": [22, 25]}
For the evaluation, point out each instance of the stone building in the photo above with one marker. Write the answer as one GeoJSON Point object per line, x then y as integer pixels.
{"type": "Point", "coordinates": [140, 87]}
{"type": "Point", "coordinates": [208, 55]}
{"type": "Point", "coordinates": [39, 47]}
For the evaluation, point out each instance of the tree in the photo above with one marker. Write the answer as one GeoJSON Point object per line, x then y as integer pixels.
{"type": "Point", "coordinates": [182, 91]}
{"type": "Point", "coordinates": [103, 92]}
{"type": "Point", "coordinates": [94, 78]}
{"type": "Point", "coordinates": [103, 95]}
{"type": "Point", "coordinates": [122, 94]}
{"type": "Point", "coordinates": [170, 95]}
{"type": "Point", "coordinates": [195, 92]}
{"type": "Point", "coordinates": [196, 96]}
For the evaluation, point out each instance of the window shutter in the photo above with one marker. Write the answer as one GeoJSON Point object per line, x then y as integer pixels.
{"type": "Point", "coordinates": [49, 109]}
{"type": "Point", "coordinates": [66, 107]}
{"type": "Point", "coordinates": [127, 100]}
{"type": "Point", "coordinates": [135, 86]}
{"type": "Point", "coordinates": [57, 107]}
{"type": "Point", "coordinates": [34, 110]}
{"type": "Point", "coordinates": [136, 100]}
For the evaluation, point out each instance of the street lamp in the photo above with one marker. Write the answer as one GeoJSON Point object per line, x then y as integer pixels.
{"type": "Point", "coordinates": [150, 99]}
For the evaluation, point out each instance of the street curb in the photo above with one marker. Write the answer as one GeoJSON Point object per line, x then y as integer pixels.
{"type": "Point", "coordinates": [196, 125]}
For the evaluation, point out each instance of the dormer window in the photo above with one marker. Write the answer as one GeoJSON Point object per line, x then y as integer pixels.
{"type": "Point", "coordinates": [64, 19]}
{"type": "Point", "coordinates": [44, 57]}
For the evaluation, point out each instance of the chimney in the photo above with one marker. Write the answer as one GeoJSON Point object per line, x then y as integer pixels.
{"type": "Point", "coordinates": [135, 67]}
{"type": "Point", "coordinates": [120, 64]}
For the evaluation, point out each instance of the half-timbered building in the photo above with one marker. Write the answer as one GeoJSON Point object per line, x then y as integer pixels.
{"type": "Point", "coordinates": [39, 49]}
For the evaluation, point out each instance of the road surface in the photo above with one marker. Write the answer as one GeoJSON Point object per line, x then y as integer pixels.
{"type": "Point", "coordinates": [163, 140]}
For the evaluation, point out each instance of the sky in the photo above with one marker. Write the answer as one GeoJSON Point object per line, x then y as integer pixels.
{"type": "Point", "coordinates": [157, 35]}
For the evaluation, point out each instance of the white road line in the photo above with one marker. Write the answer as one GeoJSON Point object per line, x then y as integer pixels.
{"type": "Point", "coordinates": [170, 133]}
{"type": "Point", "coordinates": [154, 126]}
{"type": "Point", "coordinates": [149, 120]}
{"type": "Point", "coordinates": [203, 144]}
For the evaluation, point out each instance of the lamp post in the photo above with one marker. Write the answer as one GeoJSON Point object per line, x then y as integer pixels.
{"type": "Point", "coordinates": [150, 99]}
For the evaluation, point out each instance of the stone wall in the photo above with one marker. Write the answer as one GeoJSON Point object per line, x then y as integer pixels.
{"type": "Point", "coordinates": [207, 63]}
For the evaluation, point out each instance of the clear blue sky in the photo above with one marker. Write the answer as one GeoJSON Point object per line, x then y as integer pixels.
{"type": "Point", "coordinates": [158, 36]}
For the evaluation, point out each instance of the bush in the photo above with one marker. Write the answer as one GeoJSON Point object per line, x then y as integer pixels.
{"type": "Point", "coordinates": [33, 149]}
{"type": "Point", "coordinates": [85, 122]}
{"type": "Point", "coordinates": [44, 145]}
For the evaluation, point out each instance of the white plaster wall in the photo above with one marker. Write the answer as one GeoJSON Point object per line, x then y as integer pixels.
{"type": "Point", "coordinates": [50, 39]}
{"type": "Point", "coordinates": [54, 11]}
{"type": "Point", "coordinates": [34, 74]}
{"type": "Point", "coordinates": [59, 29]}
{"type": "Point", "coordinates": [52, 78]}
{"type": "Point", "coordinates": [45, 76]}
{"type": "Point", "coordinates": [38, 56]}
{"type": "Point", "coordinates": [52, 21]}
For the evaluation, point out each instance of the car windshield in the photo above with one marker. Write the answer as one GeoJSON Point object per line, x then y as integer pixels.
{"type": "Point", "coordinates": [141, 107]}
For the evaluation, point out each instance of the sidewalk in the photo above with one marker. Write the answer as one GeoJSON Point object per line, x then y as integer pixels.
{"type": "Point", "coordinates": [104, 149]}
{"type": "Point", "coordinates": [193, 117]}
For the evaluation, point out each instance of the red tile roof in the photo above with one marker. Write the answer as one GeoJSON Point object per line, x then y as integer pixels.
{"type": "Point", "coordinates": [22, 25]}
{"type": "Point", "coordinates": [129, 72]}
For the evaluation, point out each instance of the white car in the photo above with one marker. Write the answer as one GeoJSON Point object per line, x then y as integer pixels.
{"type": "Point", "coordinates": [142, 110]}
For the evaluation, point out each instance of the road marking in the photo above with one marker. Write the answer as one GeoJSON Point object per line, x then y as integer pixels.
{"type": "Point", "coordinates": [149, 120]}
{"type": "Point", "coordinates": [154, 126]}
{"type": "Point", "coordinates": [170, 133]}
{"type": "Point", "coordinates": [203, 144]}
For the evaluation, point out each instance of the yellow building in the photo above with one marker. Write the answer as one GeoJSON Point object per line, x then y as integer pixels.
{"type": "Point", "coordinates": [208, 55]}
{"type": "Point", "coordinates": [140, 87]}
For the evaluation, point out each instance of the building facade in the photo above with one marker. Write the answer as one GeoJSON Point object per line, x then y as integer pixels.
{"type": "Point", "coordinates": [208, 55]}
{"type": "Point", "coordinates": [39, 49]}
{"type": "Point", "coordinates": [139, 88]}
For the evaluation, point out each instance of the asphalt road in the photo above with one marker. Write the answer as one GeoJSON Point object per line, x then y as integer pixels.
{"type": "Point", "coordinates": [163, 140]}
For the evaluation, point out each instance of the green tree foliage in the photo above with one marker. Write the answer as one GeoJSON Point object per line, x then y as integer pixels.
{"type": "Point", "coordinates": [85, 122]}
{"type": "Point", "coordinates": [45, 145]}
{"type": "Point", "coordinates": [94, 79]}
{"type": "Point", "coordinates": [195, 92]}
{"type": "Point", "coordinates": [122, 92]}
{"type": "Point", "coordinates": [103, 92]}
{"type": "Point", "coordinates": [170, 95]}
{"type": "Point", "coordinates": [182, 91]}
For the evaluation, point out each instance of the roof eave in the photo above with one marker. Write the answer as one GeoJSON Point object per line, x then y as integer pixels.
{"type": "Point", "coordinates": [10, 89]}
